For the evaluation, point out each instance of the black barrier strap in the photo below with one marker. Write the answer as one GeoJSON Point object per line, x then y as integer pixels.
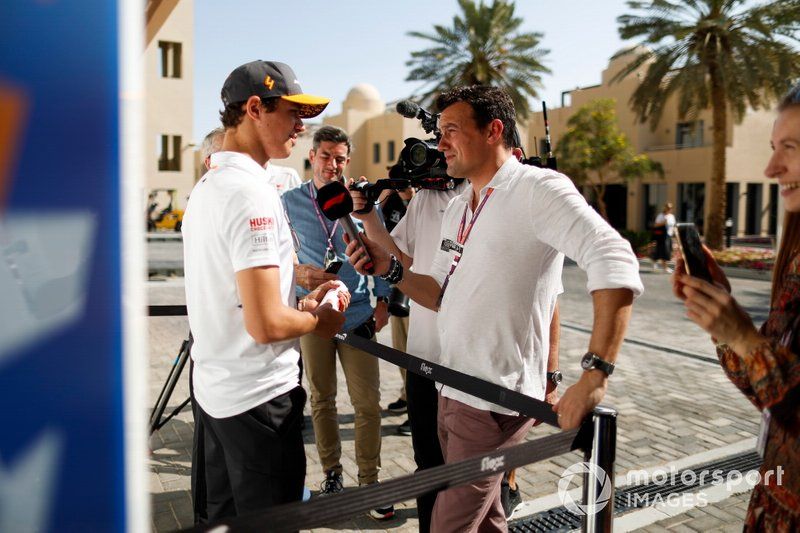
{"type": "Point", "coordinates": [491, 392]}
{"type": "Point", "coordinates": [321, 511]}
{"type": "Point", "coordinates": [166, 310]}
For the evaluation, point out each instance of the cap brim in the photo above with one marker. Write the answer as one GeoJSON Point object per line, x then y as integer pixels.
{"type": "Point", "coordinates": [311, 105]}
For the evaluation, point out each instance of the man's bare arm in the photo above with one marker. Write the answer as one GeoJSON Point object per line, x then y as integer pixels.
{"type": "Point", "coordinates": [268, 319]}
{"type": "Point", "coordinates": [555, 334]}
{"type": "Point", "coordinates": [421, 288]}
{"type": "Point", "coordinates": [612, 311]}
{"type": "Point", "coordinates": [376, 230]}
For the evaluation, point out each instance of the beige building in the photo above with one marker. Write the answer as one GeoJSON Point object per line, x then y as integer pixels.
{"type": "Point", "coordinates": [684, 150]}
{"type": "Point", "coordinates": [169, 81]}
{"type": "Point", "coordinates": [377, 131]}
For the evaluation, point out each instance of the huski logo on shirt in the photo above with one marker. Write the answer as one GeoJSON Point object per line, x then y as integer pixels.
{"type": "Point", "coordinates": [262, 236]}
{"type": "Point", "coordinates": [262, 224]}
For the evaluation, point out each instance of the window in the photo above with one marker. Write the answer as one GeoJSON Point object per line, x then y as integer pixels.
{"type": "Point", "coordinates": [390, 151]}
{"type": "Point", "coordinates": [170, 59]}
{"type": "Point", "coordinates": [752, 218]}
{"type": "Point", "coordinates": [655, 196]}
{"type": "Point", "coordinates": [169, 152]}
{"type": "Point", "coordinates": [376, 153]}
{"type": "Point", "coordinates": [773, 209]}
{"type": "Point", "coordinates": [689, 134]}
{"type": "Point", "coordinates": [732, 206]}
{"type": "Point", "coordinates": [691, 203]}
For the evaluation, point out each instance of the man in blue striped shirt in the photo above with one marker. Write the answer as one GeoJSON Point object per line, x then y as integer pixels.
{"type": "Point", "coordinates": [321, 244]}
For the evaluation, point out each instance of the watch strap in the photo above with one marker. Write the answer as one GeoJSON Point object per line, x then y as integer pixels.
{"type": "Point", "coordinates": [600, 364]}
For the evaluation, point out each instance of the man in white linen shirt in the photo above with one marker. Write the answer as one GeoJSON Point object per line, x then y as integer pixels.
{"type": "Point", "coordinates": [495, 281]}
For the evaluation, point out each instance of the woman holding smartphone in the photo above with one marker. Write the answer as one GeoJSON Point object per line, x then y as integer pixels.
{"type": "Point", "coordinates": [764, 363]}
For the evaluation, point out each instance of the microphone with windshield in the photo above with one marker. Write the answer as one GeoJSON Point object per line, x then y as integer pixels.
{"type": "Point", "coordinates": [409, 109]}
{"type": "Point", "coordinates": [335, 203]}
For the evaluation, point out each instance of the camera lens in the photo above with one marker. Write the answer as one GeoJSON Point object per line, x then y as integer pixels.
{"type": "Point", "coordinates": [418, 154]}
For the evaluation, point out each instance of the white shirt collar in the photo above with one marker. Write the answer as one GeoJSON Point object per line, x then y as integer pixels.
{"type": "Point", "coordinates": [500, 180]}
{"type": "Point", "coordinates": [237, 159]}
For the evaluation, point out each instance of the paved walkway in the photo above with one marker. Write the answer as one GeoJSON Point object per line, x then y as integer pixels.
{"type": "Point", "coordinates": [671, 407]}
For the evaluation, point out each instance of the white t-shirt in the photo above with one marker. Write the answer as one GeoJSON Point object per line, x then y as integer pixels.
{"type": "Point", "coordinates": [417, 235]}
{"type": "Point", "coordinates": [668, 221]}
{"type": "Point", "coordinates": [234, 221]}
{"type": "Point", "coordinates": [495, 315]}
{"type": "Point", "coordinates": [283, 178]}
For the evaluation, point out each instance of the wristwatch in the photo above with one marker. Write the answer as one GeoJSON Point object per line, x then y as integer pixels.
{"type": "Point", "coordinates": [384, 299]}
{"type": "Point", "coordinates": [555, 377]}
{"type": "Point", "coordinates": [591, 361]}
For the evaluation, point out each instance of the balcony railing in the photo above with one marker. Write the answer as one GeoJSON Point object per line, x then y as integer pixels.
{"type": "Point", "coordinates": [664, 147]}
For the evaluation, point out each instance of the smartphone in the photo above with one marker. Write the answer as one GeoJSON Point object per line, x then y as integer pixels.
{"type": "Point", "coordinates": [692, 251]}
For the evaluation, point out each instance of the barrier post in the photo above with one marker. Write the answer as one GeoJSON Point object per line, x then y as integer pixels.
{"type": "Point", "coordinates": [598, 481]}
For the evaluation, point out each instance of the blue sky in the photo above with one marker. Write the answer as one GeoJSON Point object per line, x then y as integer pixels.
{"type": "Point", "coordinates": [332, 46]}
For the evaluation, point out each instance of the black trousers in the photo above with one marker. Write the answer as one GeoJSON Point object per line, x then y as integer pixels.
{"type": "Point", "coordinates": [198, 458]}
{"type": "Point", "coordinates": [251, 461]}
{"type": "Point", "coordinates": [423, 408]}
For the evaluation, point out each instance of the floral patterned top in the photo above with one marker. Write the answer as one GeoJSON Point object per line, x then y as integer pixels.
{"type": "Point", "coordinates": [770, 377]}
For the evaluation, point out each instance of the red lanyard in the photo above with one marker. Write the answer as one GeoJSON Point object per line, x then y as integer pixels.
{"type": "Point", "coordinates": [330, 234]}
{"type": "Point", "coordinates": [463, 235]}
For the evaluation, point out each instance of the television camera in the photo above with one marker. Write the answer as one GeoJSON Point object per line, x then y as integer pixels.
{"type": "Point", "coordinates": [422, 166]}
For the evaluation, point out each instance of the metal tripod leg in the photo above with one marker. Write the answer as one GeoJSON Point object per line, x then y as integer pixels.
{"type": "Point", "coordinates": [156, 420]}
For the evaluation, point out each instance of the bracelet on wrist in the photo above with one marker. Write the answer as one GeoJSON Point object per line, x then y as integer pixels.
{"type": "Point", "coordinates": [395, 273]}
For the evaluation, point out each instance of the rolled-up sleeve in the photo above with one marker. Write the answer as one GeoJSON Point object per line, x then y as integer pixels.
{"type": "Point", "coordinates": [564, 220]}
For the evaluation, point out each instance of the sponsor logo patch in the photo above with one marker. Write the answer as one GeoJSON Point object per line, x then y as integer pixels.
{"type": "Point", "coordinates": [262, 224]}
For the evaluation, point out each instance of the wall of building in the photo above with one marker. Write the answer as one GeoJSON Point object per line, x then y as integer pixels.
{"type": "Point", "coordinates": [373, 129]}
{"type": "Point", "coordinates": [169, 104]}
{"type": "Point", "coordinates": [747, 146]}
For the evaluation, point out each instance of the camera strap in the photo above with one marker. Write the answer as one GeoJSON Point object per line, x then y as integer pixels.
{"type": "Point", "coordinates": [464, 230]}
{"type": "Point", "coordinates": [328, 233]}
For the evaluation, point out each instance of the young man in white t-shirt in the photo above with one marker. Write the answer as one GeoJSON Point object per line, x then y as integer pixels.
{"type": "Point", "coordinates": [282, 178]}
{"type": "Point", "coordinates": [243, 313]}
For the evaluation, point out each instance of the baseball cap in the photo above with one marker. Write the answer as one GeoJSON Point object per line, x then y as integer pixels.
{"type": "Point", "coordinates": [268, 79]}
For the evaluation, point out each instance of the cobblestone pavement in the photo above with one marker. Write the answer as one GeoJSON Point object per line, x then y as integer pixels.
{"type": "Point", "coordinates": [670, 407]}
{"type": "Point", "coordinates": [724, 516]}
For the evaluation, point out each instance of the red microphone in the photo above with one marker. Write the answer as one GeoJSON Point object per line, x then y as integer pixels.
{"type": "Point", "coordinates": [335, 203]}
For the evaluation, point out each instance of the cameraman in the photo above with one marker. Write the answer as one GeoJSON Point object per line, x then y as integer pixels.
{"type": "Point", "coordinates": [503, 240]}
{"type": "Point", "coordinates": [243, 313]}
{"type": "Point", "coordinates": [394, 204]}
{"type": "Point", "coordinates": [414, 240]}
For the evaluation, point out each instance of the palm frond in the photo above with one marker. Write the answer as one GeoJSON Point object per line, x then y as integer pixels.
{"type": "Point", "coordinates": [484, 45]}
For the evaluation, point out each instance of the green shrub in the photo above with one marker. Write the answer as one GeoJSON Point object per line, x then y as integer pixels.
{"type": "Point", "coordinates": [641, 241]}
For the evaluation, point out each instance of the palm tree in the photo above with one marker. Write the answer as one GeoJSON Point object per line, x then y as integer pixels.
{"type": "Point", "coordinates": [711, 53]}
{"type": "Point", "coordinates": [484, 47]}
